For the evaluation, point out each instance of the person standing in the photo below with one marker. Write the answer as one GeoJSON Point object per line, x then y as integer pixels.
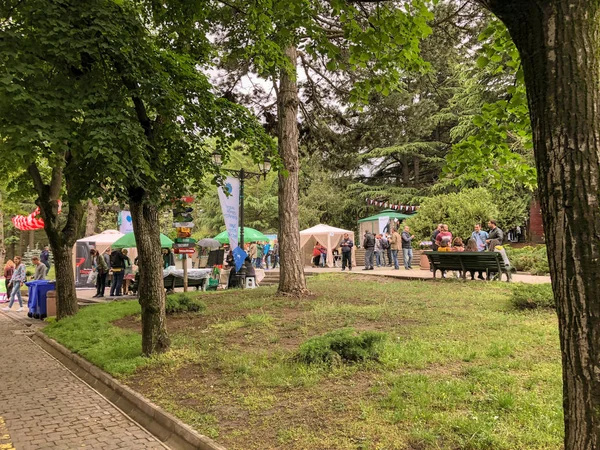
{"type": "Point", "coordinates": [407, 252]}
{"type": "Point", "coordinates": [267, 251]}
{"type": "Point", "coordinates": [316, 255]}
{"type": "Point", "coordinates": [18, 278]}
{"type": "Point", "coordinates": [40, 269]}
{"type": "Point", "coordinates": [259, 255]}
{"type": "Point", "coordinates": [323, 255]}
{"type": "Point", "coordinates": [494, 233]}
{"type": "Point", "coordinates": [377, 250]}
{"type": "Point", "coordinates": [100, 266]}
{"type": "Point", "coordinates": [444, 235]}
{"type": "Point", "coordinates": [127, 272]}
{"type": "Point", "coordinates": [106, 256]}
{"type": "Point", "coordinates": [9, 269]}
{"type": "Point", "coordinates": [385, 246]}
{"type": "Point", "coordinates": [434, 243]}
{"type": "Point", "coordinates": [396, 243]}
{"type": "Point", "coordinates": [369, 246]}
{"type": "Point", "coordinates": [45, 257]}
{"type": "Point", "coordinates": [480, 237]}
{"type": "Point", "coordinates": [253, 252]}
{"type": "Point", "coordinates": [117, 265]}
{"type": "Point", "coordinates": [346, 246]}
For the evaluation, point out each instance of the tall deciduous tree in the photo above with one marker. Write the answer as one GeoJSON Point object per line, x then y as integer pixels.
{"type": "Point", "coordinates": [370, 44]}
{"type": "Point", "coordinates": [112, 106]}
{"type": "Point", "coordinates": [559, 44]}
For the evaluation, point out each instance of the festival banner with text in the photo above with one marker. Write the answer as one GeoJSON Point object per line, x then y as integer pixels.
{"type": "Point", "coordinates": [229, 195]}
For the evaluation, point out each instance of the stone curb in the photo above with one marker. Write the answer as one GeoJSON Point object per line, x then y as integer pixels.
{"type": "Point", "coordinates": [170, 430]}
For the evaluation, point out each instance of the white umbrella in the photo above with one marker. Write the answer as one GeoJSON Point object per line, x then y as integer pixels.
{"type": "Point", "coordinates": [213, 244]}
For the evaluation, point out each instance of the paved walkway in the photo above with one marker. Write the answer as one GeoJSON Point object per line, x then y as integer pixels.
{"type": "Point", "coordinates": [419, 274]}
{"type": "Point", "coordinates": [44, 406]}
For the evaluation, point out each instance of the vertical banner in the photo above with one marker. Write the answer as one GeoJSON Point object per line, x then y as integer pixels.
{"type": "Point", "coordinates": [125, 222]}
{"type": "Point", "coordinates": [229, 195]}
{"type": "Point", "coordinates": [383, 223]}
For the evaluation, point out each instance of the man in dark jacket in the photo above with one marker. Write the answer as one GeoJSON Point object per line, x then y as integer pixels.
{"type": "Point", "coordinates": [369, 246]}
{"type": "Point", "coordinates": [346, 246]}
{"type": "Point", "coordinates": [117, 265]}
{"type": "Point", "coordinates": [494, 233]}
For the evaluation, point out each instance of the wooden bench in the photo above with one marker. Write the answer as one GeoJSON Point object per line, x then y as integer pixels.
{"type": "Point", "coordinates": [469, 262]}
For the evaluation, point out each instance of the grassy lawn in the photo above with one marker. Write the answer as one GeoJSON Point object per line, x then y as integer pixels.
{"type": "Point", "coordinates": [459, 368]}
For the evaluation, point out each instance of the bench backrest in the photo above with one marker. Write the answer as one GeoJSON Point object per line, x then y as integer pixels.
{"type": "Point", "coordinates": [466, 260]}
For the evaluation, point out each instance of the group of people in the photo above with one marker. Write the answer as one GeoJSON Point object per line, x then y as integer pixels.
{"type": "Point", "coordinates": [480, 241]}
{"type": "Point", "coordinates": [263, 255]}
{"type": "Point", "coordinates": [15, 275]}
{"type": "Point", "coordinates": [116, 262]}
{"type": "Point", "coordinates": [382, 250]}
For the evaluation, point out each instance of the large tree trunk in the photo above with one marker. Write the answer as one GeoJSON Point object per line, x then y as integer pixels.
{"type": "Point", "coordinates": [291, 280]}
{"type": "Point", "coordinates": [559, 42]}
{"type": "Point", "coordinates": [91, 219]}
{"type": "Point", "coordinates": [146, 226]}
{"type": "Point", "coordinates": [61, 240]}
{"type": "Point", "coordinates": [65, 279]}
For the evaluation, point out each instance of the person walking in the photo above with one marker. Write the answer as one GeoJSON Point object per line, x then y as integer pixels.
{"type": "Point", "coordinates": [407, 252]}
{"type": "Point", "coordinates": [45, 257]}
{"type": "Point", "coordinates": [9, 269]}
{"type": "Point", "coordinates": [18, 278]}
{"type": "Point", "coordinates": [396, 243]}
{"type": "Point", "coordinates": [494, 233]}
{"type": "Point", "coordinates": [100, 266]}
{"type": "Point", "coordinates": [117, 265]}
{"type": "Point", "coordinates": [369, 246]}
{"type": "Point", "coordinates": [40, 269]}
{"type": "Point", "coordinates": [346, 246]}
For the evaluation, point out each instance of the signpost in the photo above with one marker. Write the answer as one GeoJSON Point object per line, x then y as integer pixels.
{"type": "Point", "coordinates": [184, 244]}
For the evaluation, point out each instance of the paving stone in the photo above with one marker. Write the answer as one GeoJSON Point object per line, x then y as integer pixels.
{"type": "Point", "coordinates": [44, 406]}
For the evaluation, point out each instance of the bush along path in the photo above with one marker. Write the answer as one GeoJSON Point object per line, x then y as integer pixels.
{"type": "Point", "coordinates": [367, 362]}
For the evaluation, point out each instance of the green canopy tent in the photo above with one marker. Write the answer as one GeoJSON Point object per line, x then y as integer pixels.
{"type": "Point", "coordinates": [250, 235]}
{"type": "Point", "coordinates": [372, 223]}
{"type": "Point", "coordinates": [128, 241]}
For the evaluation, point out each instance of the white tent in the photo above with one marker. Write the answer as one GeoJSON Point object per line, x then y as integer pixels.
{"type": "Point", "coordinates": [103, 240]}
{"type": "Point", "coordinates": [328, 236]}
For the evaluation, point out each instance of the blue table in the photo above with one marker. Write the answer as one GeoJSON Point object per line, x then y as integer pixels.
{"type": "Point", "coordinates": [38, 290]}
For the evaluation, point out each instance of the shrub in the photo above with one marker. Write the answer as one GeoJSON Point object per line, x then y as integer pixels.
{"type": "Point", "coordinates": [183, 302]}
{"type": "Point", "coordinates": [532, 296]}
{"type": "Point", "coordinates": [343, 345]}
{"type": "Point", "coordinates": [531, 259]}
{"type": "Point", "coordinates": [459, 210]}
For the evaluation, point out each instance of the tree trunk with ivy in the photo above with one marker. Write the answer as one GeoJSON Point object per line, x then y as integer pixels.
{"type": "Point", "coordinates": [146, 226]}
{"type": "Point", "coordinates": [559, 43]}
{"type": "Point", "coordinates": [291, 280]}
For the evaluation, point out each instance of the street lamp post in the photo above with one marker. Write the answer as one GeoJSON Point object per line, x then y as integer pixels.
{"type": "Point", "coordinates": [243, 175]}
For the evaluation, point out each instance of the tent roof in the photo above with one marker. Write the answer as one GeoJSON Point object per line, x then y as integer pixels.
{"type": "Point", "coordinates": [106, 237]}
{"type": "Point", "coordinates": [320, 229]}
{"type": "Point", "coordinates": [386, 213]}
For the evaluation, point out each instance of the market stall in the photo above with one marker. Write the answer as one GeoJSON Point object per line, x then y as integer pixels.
{"type": "Point", "coordinates": [328, 236]}
{"type": "Point", "coordinates": [81, 253]}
